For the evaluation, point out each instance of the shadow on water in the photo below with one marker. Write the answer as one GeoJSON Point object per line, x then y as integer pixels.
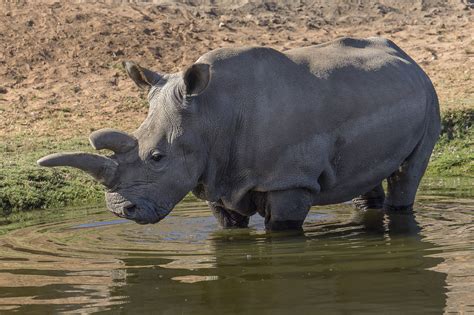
{"type": "Point", "coordinates": [343, 261]}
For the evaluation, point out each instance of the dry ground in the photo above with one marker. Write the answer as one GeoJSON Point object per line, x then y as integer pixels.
{"type": "Point", "coordinates": [60, 62]}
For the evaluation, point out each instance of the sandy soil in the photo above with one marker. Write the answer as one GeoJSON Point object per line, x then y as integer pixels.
{"type": "Point", "coordinates": [60, 63]}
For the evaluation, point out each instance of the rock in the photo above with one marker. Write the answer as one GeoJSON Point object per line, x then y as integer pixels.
{"type": "Point", "coordinates": [148, 31]}
{"type": "Point", "coordinates": [311, 25]}
{"type": "Point", "coordinates": [55, 5]}
{"type": "Point", "coordinates": [211, 12]}
{"type": "Point", "coordinates": [262, 22]}
{"type": "Point", "coordinates": [76, 89]}
{"type": "Point", "coordinates": [147, 18]}
{"type": "Point", "coordinates": [113, 82]}
{"type": "Point", "coordinates": [80, 17]}
{"type": "Point", "coordinates": [383, 9]}
{"type": "Point", "coordinates": [3, 90]}
{"type": "Point", "coordinates": [118, 52]}
{"type": "Point", "coordinates": [271, 6]}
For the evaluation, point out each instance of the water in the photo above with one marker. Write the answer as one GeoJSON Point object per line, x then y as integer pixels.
{"type": "Point", "coordinates": [186, 264]}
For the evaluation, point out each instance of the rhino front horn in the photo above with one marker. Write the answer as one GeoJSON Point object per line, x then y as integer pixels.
{"type": "Point", "coordinates": [102, 168]}
{"type": "Point", "coordinates": [115, 140]}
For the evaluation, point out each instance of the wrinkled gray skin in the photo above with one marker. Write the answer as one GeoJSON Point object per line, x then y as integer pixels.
{"type": "Point", "coordinates": [256, 130]}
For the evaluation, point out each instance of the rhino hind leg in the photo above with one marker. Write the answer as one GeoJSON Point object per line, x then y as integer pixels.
{"type": "Point", "coordinates": [373, 199]}
{"type": "Point", "coordinates": [403, 184]}
{"type": "Point", "coordinates": [228, 219]}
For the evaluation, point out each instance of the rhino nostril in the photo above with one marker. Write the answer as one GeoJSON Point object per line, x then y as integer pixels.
{"type": "Point", "coordinates": [129, 209]}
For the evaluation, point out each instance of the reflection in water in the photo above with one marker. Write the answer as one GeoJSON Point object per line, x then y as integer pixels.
{"type": "Point", "coordinates": [330, 267]}
{"type": "Point", "coordinates": [343, 261]}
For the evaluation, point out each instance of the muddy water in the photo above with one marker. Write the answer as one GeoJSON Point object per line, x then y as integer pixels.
{"type": "Point", "coordinates": [340, 264]}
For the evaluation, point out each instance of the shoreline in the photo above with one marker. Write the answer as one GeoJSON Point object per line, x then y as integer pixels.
{"type": "Point", "coordinates": [25, 187]}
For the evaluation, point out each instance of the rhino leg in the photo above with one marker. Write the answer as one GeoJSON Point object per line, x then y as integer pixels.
{"type": "Point", "coordinates": [286, 210]}
{"type": "Point", "coordinates": [369, 209]}
{"type": "Point", "coordinates": [373, 199]}
{"type": "Point", "coordinates": [402, 185]}
{"type": "Point", "coordinates": [228, 219]}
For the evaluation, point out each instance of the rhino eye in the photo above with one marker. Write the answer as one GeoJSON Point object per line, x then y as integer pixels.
{"type": "Point", "coordinates": [156, 156]}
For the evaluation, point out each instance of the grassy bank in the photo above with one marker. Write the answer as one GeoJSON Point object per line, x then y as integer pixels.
{"type": "Point", "coordinates": [24, 186]}
{"type": "Point", "coordinates": [454, 152]}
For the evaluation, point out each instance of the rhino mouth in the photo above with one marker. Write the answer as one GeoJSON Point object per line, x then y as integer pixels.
{"type": "Point", "coordinates": [141, 212]}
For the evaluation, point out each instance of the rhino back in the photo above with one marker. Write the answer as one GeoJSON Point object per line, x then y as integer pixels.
{"type": "Point", "coordinates": [335, 118]}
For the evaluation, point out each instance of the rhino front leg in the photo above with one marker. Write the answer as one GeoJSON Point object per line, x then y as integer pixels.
{"type": "Point", "coordinates": [228, 219]}
{"type": "Point", "coordinates": [286, 210]}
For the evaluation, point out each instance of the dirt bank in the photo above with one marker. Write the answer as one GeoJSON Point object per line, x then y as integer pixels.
{"type": "Point", "coordinates": [60, 70]}
{"type": "Point", "coordinates": [61, 75]}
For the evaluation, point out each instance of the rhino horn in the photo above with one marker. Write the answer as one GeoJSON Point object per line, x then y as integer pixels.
{"type": "Point", "coordinates": [102, 168]}
{"type": "Point", "coordinates": [115, 140]}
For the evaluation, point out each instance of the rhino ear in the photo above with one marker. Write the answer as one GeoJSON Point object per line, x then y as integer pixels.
{"type": "Point", "coordinates": [144, 78]}
{"type": "Point", "coordinates": [196, 78]}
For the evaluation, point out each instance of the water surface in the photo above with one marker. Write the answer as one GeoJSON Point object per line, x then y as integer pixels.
{"type": "Point", "coordinates": [340, 264]}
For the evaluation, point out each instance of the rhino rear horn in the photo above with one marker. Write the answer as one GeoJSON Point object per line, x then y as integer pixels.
{"type": "Point", "coordinates": [115, 140]}
{"type": "Point", "coordinates": [101, 168]}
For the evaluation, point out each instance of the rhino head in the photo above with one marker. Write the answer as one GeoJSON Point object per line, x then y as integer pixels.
{"type": "Point", "coordinates": [154, 168]}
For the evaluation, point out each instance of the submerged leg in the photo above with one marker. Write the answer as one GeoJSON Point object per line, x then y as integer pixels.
{"type": "Point", "coordinates": [228, 219]}
{"type": "Point", "coordinates": [403, 184]}
{"type": "Point", "coordinates": [369, 209]}
{"type": "Point", "coordinates": [286, 210]}
{"type": "Point", "coordinates": [371, 200]}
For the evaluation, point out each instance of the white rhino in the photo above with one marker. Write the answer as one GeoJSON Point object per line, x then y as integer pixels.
{"type": "Point", "coordinates": [257, 130]}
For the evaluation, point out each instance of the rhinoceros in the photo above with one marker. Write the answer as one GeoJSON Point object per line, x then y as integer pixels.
{"type": "Point", "coordinates": [254, 130]}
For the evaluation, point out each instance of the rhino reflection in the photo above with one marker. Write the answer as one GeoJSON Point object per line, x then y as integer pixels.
{"type": "Point", "coordinates": [328, 268]}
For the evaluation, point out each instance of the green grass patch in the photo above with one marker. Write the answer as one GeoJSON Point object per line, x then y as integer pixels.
{"type": "Point", "coordinates": [454, 153]}
{"type": "Point", "coordinates": [25, 186]}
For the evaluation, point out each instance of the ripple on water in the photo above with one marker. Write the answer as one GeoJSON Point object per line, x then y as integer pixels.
{"type": "Point", "coordinates": [186, 264]}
